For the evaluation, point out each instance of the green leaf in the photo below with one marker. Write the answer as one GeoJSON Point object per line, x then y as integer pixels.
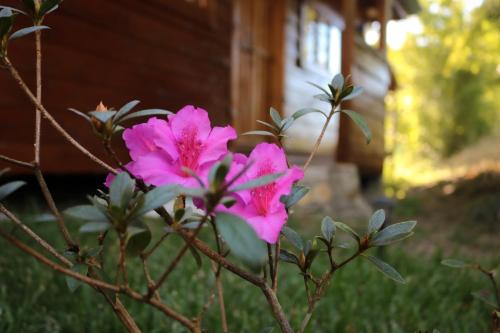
{"type": "Point", "coordinates": [328, 228]}
{"type": "Point", "coordinates": [257, 182]}
{"type": "Point", "coordinates": [386, 269]}
{"type": "Point", "coordinates": [121, 190]}
{"type": "Point", "coordinates": [327, 93]}
{"type": "Point", "coordinates": [293, 237]}
{"type": "Point", "coordinates": [79, 113]}
{"type": "Point", "coordinates": [393, 233]}
{"type": "Point", "coordinates": [360, 121]}
{"type": "Point", "coordinates": [275, 116]}
{"type": "Point", "coordinates": [146, 113]}
{"type": "Point", "coordinates": [30, 5]}
{"type": "Point", "coordinates": [102, 116]}
{"type": "Point", "coordinates": [302, 112]}
{"type": "Point", "coordinates": [455, 263]}
{"type": "Point", "coordinates": [9, 188]}
{"type": "Point", "coordinates": [126, 109]}
{"type": "Point", "coordinates": [338, 82]}
{"type": "Point", "coordinates": [355, 93]}
{"type": "Point", "coordinates": [15, 10]}
{"type": "Point", "coordinates": [23, 32]}
{"type": "Point", "coordinates": [324, 98]}
{"type": "Point", "coordinates": [287, 122]}
{"type": "Point", "coordinates": [263, 133]}
{"type": "Point", "coordinates": [86, 213]}
{"type": "Point", "coordinates": [6, 22]}
{"type": "Point", "coordinates": [268, 125]}
{"type": "Point", "coordinates": [376, 221]}
{"type": "Point", "coordinates": [242, 239]}
{"type": "Point", "coordinates": [72, 283]}
{"type": "Point", "coordinates": [298, 192]}
{"type": "Point", "coordinates": [156, 198]}
{"type": "Point", "coordinates": [92, 227]}
{"type": "Point", "coordinates": [48, 6]}
{"type": "Point", "coordinates": [487, 297]}
{"type": "Point", "coordinates": [344, 227]}
{"type": "Point", "coordinates": [289, 257]}
{"type": "Point", "coordinates": [138, 239]}
{"type": "Point", "coordinates": [196, 256]}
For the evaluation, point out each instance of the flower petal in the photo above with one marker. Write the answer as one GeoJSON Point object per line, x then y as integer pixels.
{"type": "Point", "coordinates": [190, 117]}
{"type": "Point", "coordinates": [216, 144]}
{"type": "Point", "coordinates": [268, 227]}
{"type": "Point", "coordinates": [140, 138]}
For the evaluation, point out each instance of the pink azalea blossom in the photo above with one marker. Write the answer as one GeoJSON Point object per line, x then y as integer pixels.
{"type": "Point", "coordinates": [261, 207]}
{"type": "Point", "coordinates": [160, 149]}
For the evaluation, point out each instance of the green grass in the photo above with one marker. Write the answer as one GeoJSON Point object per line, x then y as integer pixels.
{"type": "Point", "coordinates": [360, 299]}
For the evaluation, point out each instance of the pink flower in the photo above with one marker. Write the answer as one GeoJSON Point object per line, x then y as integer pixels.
{"type": "Point", "coordinates": [261, 207]}
{"type": "Point", "coordinates": [160, 149]}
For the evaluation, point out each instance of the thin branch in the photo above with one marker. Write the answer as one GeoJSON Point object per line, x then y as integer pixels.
{"type": "Point", "coordinates": [33, 235]}
{"type": "Point", "coordinates": [53, 208]}
{"type": "Point", "coordinates": [271, 263]}
{"type": "Point", "coordinates": [16, 162]}
{"type": "Point", "coordinates": [277, 247]}
{"type": "Point", "coordinates": [52, 121]}
{"type": "Point", "coordinates": [38, 117]}
{"type": "Point", "coordinates": [276, 309]}
{"type": "Point", "coordinates": [320, 138]}
{"type": "Point", "coordinates": [491, 276]}
{"type": "Point", "coordinates": [122, 268]}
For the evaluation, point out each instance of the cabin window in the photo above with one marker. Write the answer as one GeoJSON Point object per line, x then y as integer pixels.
{"type": "Point", "coordinates": [320, 38]}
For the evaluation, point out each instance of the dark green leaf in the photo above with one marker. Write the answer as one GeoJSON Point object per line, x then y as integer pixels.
{"type": "Point", "coordinates": [23, 32]}
{"type": "Point", "coordinates": [289, 257]}
{"type": "Point", "coordinates": [156, 198]}
{"type": "Point", "coordinates": [9, 188]}
{"type": "Point", "coordinates": [287, 122]}
{"type": "Point", "coordinates": [344, 227]}
{"type": "Point", "coordinates": [328, 228]}
{"type": "Point", "coordinates": [324, 98]}
{"type": "Point", "coordinates": [298, 192]}
{"type": "Point", "coordinates": [126, 109]}
{"type": "Point", "coordinates": [86, 213]}
{"type": "Point", "coordinates": [92, 227]}
{"type": "Point", "coordinates": [242, 239]}
{"type": "Point", "coordinates": [102, 116]}
{"type": "Point", "coordinates": [196, 256]}
{"type": "Point", "coordinates": [6, 22]}
{"type": "Point", "coordinates": [267, 125]}
{"type": "Point", "coordinates": [146, 113]}
{"type": "Point", "coordinates": [138, 239]}
{"type": "Point", "coordinates": [30, 5]}
{"type": "Point", "coordinates": [275, 116]}
{"type": "Point", "coordinates": [257, 182]}
{"type": "Point", "coordinates": [293, 237]}
{"type": "Point", "coordinates": [264, 133]}
{"type": "Point", "coordinates": [360, 121]}
{"type": "Point", "coordinates": [385, 268]}
{"type": "Point", "coordinates": [72, 283]}
{"type": "Point", "coordinates": [355, 93]}
{"type": "Point", "coordinates": [48, 6]}
{"type": "Point", "coordinates": [121, 190]}
{"type": "Point", "coordinates": [393, 233]}
{"type": "Point", "coordinates": [455, 263]}
{"type": "Point", "coordinates": [338, 82]}
{"type": "Point", "coordinates": [376, 221]}
{"type": "Point", "coordinates": [302, 112]}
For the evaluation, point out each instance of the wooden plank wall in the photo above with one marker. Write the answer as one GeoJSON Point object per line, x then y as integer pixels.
{"type": "Point", "coordinates": [371, 71]}
{"type": "Point", "coordinates": [299, 94]}
{"type": "Point", "coordinates": [165, 53]}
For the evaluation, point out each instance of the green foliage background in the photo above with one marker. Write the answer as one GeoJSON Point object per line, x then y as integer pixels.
{"type": "Point", "coordinates": [448, 81]}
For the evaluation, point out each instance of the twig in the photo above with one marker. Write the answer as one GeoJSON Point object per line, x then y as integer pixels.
{"type": "Point", "coordinates": [491, 276]}
{"type": "Point", "coordinates": [16, 162]}
{"type": "Point", "coordinates": [38, 116]}
{"type": "Point", "coordinates": [320, 138]}
{"type": "Point", "coordinates": [276, 265]}
{"type": "Point", "coordinates": [33, 235]}
{"type": "Point", "coordinates": [53, 208]}
{"type": "Point", "coordinates": [271, 262]}
{"type": "Point", "coordinates": [121, 261]}
{"type": "Point", "coordinates": [52, 121]}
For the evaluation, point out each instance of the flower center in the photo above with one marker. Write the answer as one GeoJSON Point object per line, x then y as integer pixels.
{"type": "Point", "coordinates": [189, 148]}
{"type": "Point", "coordinates": [262, 195]}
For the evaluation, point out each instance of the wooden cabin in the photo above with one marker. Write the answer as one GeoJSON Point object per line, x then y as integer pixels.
{"type": "Point", "coordinates": [233, 58]}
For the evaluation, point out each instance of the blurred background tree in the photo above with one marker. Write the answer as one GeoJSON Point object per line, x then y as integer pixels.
{"type": "Point", "coordinates": [448, 75]}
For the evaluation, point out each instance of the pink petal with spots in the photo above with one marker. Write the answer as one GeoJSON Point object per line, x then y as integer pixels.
{"type": "Point", "coordinates": [192, 120]}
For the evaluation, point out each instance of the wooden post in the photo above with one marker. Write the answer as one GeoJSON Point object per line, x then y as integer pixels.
{"type": "Point", "coordinates": [348, 53]}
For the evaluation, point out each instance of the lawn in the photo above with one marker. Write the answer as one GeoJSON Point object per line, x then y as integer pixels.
{"type": "Point", "coordinates": [360, 299]}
